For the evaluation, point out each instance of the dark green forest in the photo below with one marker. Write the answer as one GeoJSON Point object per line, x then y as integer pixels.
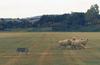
{"type": "Point", "coordinates": [70, 22]}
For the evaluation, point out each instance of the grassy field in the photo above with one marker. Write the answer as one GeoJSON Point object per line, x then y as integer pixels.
{"type": "Point", "coordinates": [43, 49]}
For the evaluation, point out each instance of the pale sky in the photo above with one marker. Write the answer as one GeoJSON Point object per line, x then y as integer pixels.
{"type": "Point", "coordinates": [28, 8]}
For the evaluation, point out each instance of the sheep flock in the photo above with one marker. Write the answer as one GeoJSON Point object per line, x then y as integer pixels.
{"type": "Point", "coordinates": [74, 43]}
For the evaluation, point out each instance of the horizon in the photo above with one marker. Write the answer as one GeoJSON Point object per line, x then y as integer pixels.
{"type": "Point", "coordinates": [31, 8]}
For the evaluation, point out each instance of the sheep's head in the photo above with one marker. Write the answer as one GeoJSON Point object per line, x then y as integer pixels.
{"type": "Point", "coordinates": [84, 41]}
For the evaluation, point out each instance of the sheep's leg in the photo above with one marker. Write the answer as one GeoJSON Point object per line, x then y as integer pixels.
{"type": "Point", "coordinates": [76, 46]}
{"type": "Point", "coordinates": [82, 46]}
{"type": "Point", "coordinates": [79, 47]}
{"type": "Point", "coordinates": [72, 46]}
{"type": "Point", "coordinates": [61, 46]}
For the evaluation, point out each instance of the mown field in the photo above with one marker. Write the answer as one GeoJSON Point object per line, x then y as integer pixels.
{"type": "Point", "coordinates": [44, 50]}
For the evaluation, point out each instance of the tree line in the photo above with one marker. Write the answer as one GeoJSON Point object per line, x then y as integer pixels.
{"type": "Point", "coordinates": [75, 21]}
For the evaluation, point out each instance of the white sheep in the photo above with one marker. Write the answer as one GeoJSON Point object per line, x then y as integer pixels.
{"type": "Point", "coordinates": [79, 43]}
{"type": "Point", "coordinates": [84, 41]}
{"type": "Point", "coordinates": [64, 43]}
{"type": "Point", "coordinates": [74, 43]}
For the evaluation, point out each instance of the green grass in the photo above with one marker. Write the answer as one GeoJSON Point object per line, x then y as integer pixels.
{"type": "Point", "coordinates": [43, 49]}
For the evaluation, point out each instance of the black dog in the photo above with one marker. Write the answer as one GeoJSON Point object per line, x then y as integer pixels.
{"type": "Point", "coordinates": [22, 50]}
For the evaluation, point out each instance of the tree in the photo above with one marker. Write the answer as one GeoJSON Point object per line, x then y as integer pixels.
{"type": "Point", "coordinates": [92, 14]}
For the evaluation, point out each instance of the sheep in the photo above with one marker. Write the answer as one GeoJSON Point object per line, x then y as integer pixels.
{"type": "Point", "coordinates": [74, 43]}
{"type": "Point", "coordinates": [79, 43]}
{"type": "Point", "coordinates": [65, 43]}
{"type": "Point", "coordinates": [84, 41]}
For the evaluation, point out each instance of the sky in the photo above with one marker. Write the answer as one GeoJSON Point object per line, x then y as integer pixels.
{"type": "Point", "coordinates": [30, 8]}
